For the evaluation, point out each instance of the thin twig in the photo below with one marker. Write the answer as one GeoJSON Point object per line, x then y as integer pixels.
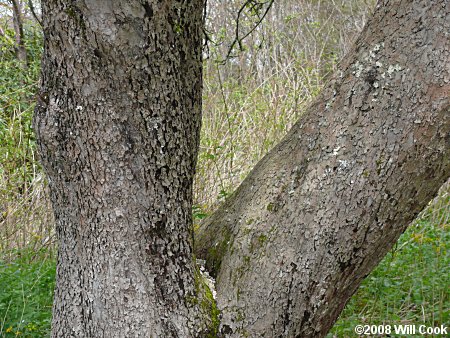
{"type": "Point", "coordinates": [238, 40]}
{"type": "Point", "coordinates": [33, 12]}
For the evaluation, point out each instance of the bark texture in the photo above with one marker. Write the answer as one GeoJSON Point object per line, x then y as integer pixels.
{"type": "Point", "coordinates": [319, 212]}
{"type": "Point", "coordinates": [117, 125]}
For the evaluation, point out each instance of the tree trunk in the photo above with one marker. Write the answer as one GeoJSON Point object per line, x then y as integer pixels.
{"type": "Point", "coordinates": [21, 51]}
{"type": "Point", "coordinates": [319, 212]}
{"type": "Point", "coordinates": [117, 125]}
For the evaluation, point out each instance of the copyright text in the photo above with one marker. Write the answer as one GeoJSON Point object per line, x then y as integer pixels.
{"type": "Point", "coordinates": [401, 329]}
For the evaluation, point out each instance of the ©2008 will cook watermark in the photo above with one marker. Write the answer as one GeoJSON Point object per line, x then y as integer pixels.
{"type": "Point", "coordinates": [400, 329]}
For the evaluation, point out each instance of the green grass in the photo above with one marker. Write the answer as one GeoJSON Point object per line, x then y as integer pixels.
{"type": "Point", "coordinates": [26, 293]}
{"type": "Point", "coordinates": [411, 284]}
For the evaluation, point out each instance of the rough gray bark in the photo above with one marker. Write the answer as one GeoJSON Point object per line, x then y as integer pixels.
{"type": "Point", "coordinates": [117, 125]}
{"type": "Point", "coordinates": [320, 211]}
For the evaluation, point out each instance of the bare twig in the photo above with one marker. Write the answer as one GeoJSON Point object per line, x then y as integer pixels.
{"type": "Point", "coordinates": [238, 40]}
{"type": "Point", "coordinates": [33, 12]}
{"type": "Point", "coordinates": [252, 6]}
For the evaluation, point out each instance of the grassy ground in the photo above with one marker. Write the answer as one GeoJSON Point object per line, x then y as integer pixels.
{"type": "Point", "coordinates": [26, 294]}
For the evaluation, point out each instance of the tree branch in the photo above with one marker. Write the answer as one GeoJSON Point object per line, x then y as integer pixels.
{"type": "Point", "coordinates": [33, 12]}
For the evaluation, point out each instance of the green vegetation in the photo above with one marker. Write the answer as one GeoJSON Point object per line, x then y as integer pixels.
{"type": "Point", "coordinates": [25, 217]}
{"type": "Point", "coordinates": [17, 91]}
{"type": "Point", "coordinates": [244, 117]}
{"type": "Point", "coordinates": [26, 294]}
{"type": "Point", "coordinates": [27, 265]}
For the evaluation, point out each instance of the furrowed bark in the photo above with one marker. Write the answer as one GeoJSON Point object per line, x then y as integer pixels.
{"type": "Point", "coordinates": [320, 211]}
{"type": "Point", "coordinates": [117, 125]}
